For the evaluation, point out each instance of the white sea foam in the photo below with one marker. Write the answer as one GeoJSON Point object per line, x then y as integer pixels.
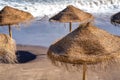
{"type": "Point", "coordinates": [41, 8]}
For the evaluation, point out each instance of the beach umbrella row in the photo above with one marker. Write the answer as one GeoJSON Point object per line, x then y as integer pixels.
{"type": "Point", "coordinates": [87, 45]}
{"type": "Point", "coordinates": [72, 14]}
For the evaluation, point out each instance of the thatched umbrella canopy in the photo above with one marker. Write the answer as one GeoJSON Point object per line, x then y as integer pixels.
{"type": "Point", "coordinates": [72, 14]}
{"type": "Point", "coordinates": [87, 46]}
{"type": "Point", "coordinates": [11, 16]}
{"type": "Point", "coordinates": [115, 19]}
{"type": "Point", "coordinates": [7, 49]}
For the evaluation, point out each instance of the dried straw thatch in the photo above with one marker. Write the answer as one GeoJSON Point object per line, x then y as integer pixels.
{"type": "Point", "coordinates": [7, 49]}
{"type": "Point", "coordinates": [10, 16]}
{"type": "Point", "coordinates": [115, 19]}
{"type": "Point", "coordinates": [72, 14]}
{"type": "Point", "coordinates": [88, 45]}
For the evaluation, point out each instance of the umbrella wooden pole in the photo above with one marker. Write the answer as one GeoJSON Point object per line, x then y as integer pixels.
{"type": "Point", "coordinates": [70, 27]}
{"type": "Point", "coordinates": [10, 31]}
{"type": "Point", "coordinates": [84, 71]}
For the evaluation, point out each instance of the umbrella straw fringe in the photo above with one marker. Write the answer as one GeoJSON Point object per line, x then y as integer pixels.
{"type": "Point", "coordinates": [102, 66]}
{"type": "Point", "coordinates": [7, 49]}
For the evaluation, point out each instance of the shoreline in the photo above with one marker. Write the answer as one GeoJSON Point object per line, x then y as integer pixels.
{"type": "Point", "coordinates": [24, 45]}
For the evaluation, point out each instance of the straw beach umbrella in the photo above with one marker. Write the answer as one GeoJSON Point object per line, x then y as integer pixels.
{"type": "Point", "coordinates": [7, 49]}
{"type": "Point", "coordinates": [72, 14]}
{"type": "Point", "coordinates": [11, 16]}
{"type": "Point", "coordinates": [115, 19]}
{"type": "Point", "coordinates": [85, 46]}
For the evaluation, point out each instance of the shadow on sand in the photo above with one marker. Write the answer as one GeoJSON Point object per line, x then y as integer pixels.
{"type": "Point", "coordinates": [25, 56]}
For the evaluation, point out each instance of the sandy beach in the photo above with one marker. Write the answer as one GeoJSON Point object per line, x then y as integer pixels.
{"type": "Point", "coordinates": [39, 67]}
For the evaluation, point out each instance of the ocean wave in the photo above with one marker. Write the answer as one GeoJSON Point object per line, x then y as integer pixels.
{"type": "Point", "coordinates": [40, 8]}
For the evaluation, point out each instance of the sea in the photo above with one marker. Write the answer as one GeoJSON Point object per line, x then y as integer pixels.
{"type": "Point", "coordinates": [41, 32]}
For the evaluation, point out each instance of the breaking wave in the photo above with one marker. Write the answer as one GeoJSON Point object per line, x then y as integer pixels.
{"type": "Point", "coordinates": [41, 8]}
